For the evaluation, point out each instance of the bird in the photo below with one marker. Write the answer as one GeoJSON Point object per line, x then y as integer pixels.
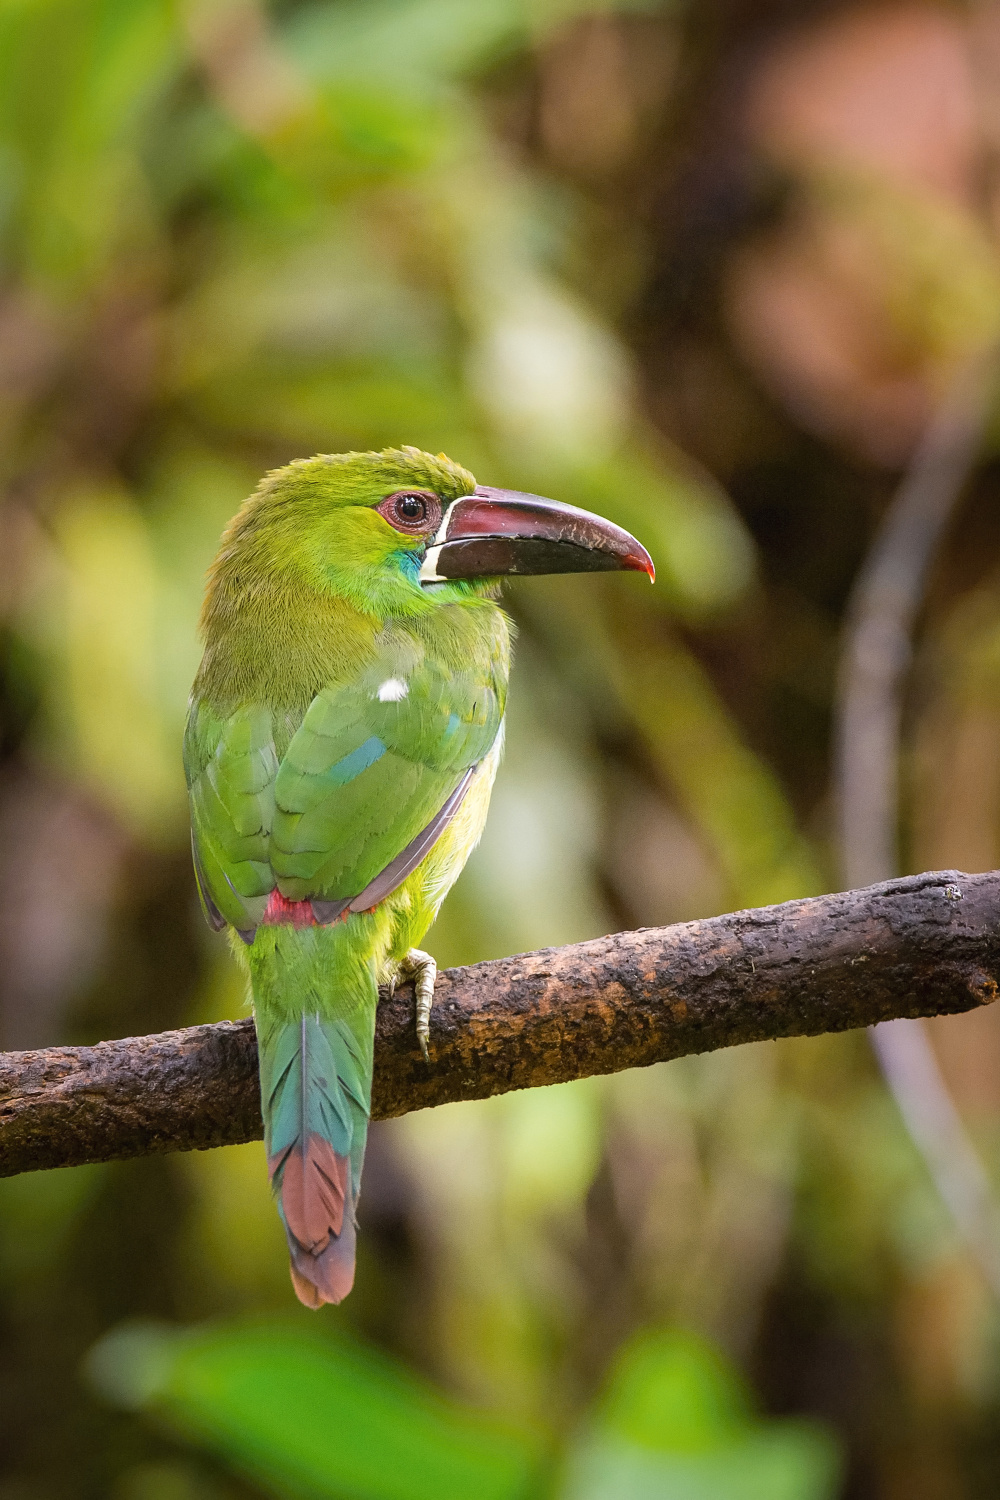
{"type": "Point", "coordinates": [344, 729]}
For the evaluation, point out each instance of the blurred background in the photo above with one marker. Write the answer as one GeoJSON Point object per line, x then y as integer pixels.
{"type": "Point", "coordinates": [709, 269]}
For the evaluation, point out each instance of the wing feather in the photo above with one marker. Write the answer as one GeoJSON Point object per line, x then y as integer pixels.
{"type": "Point", "coordinates": [367, 773]}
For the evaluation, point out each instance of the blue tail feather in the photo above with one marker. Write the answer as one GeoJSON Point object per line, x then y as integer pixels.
{"type": "Point", "coordinates": [315, 1075]}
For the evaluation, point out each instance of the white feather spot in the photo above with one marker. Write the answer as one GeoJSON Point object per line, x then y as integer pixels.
{"type": "Point", "coordinates": [393, 690]}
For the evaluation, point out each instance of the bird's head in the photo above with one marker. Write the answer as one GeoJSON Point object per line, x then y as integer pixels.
{"type": "Point", "coordinates": [386, 529]}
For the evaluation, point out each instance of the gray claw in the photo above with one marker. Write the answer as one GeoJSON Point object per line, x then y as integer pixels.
{"type": "Point", "coordinates": [422, 969]}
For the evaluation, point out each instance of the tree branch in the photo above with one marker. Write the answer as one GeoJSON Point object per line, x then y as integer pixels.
{"type": "Point", "coordinates": [926, 945]}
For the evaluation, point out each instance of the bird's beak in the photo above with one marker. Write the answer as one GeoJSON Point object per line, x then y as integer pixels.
{"type": "Point", "coordinates": [492, 532]}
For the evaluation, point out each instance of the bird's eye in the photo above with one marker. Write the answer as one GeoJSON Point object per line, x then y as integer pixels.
{"type": "Point", "coordinates": [415, 511]}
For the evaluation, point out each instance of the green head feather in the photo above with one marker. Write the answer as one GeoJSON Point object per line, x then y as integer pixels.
{"type": "Point", "coordinates": [313, 524]}
{"type": "Point", "coordinates": [308, 572]}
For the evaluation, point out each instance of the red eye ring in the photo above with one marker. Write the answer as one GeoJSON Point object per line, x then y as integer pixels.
{"type": "Point", "coordinates": [416, 512]}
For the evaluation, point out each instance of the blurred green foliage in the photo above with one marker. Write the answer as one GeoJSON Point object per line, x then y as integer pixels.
{"type": "Point", "coordinates": [311, 1417]}
{"type": "Point", "coordinates": [675, 1424]}
{"type": "Point", "coordinates": [317, 1418]}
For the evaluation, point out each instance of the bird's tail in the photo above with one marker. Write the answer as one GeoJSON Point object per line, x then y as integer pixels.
{"type": "Point", "coordinates": [315, 1018]}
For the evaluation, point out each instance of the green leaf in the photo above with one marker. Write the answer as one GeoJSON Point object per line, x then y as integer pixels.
{"type": "Point", "coordinates": [789, 1463]}
{"type": "Point", "coordinates": [310, 1417]}
{"type": "Point", "coordinates": [675, 1424]}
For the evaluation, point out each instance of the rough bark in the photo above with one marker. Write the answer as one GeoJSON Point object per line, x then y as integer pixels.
{"type": "Point", "coordinates": [927, 945]}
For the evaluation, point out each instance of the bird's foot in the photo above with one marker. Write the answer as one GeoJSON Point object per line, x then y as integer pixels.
{"type": "Point", "coordinates": [422, 969]}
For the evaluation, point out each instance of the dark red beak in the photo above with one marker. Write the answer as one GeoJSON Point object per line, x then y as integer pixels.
{"type": "Point", "coordinates": [493, 532]}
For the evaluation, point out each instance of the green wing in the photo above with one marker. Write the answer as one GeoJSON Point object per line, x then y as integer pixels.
{"type": "Point", "coordinates": [371, 763]}
{"type": "Point", "coordinates": [231, 765]}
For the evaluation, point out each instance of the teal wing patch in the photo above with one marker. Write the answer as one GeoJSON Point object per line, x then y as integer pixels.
{"type": "Point", "coordinates": [372, 763]}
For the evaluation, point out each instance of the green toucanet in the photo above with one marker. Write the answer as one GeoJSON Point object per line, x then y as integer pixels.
{"type": "Point", "coordinates": [344, 732]}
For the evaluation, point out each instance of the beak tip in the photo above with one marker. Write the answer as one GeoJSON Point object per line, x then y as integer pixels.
{"type": "Point", "coordinates": [640, 561]}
